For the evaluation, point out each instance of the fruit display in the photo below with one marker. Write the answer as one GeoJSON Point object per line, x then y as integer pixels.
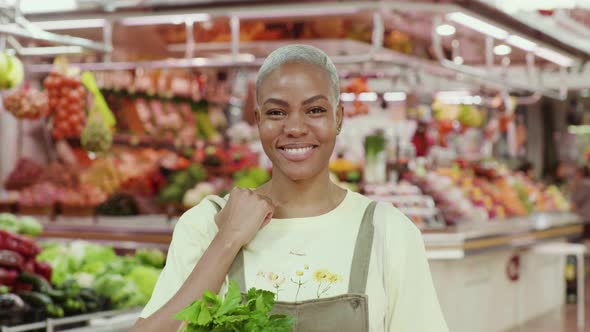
{"type": "Point", "coordinates": [83, 196]}
{"type": "Point", "coordinates": [26, 294]}
{"type": "Point", "coordinates": [482, 193]}
{"type": "Point", "coordinates": [25, 173]}
{"type": "Point", "coordinates": [66, 105]}
{"type": "Point", "coordinates": [42, 194]}
{"type": "Point", "coordinates": [104, 175]}
{"type": "Point", "coordinates": [61, 175]}
{"type": "Point", "coordinates": [118, 204]}
{"type": "Point", "coordinates": [179, 182]}
{"type": "Point", "coordinates": [251, 178]}
{"type": "Point", "coordinates": [11, 71]}
{"type": "Point", "coordinates": [126, 281]}
{"type": "Point", "coordinates": [194, 196]}
{"type": "Point", "coordinates": [96, 136]}
{"type": "Point", "coordinates": [26, 103]}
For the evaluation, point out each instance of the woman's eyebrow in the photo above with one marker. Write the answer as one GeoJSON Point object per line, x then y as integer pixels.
{"type": "Point", "coordinates": [276, 101]}
{"type": "Point", "coordinates": [314, 98]}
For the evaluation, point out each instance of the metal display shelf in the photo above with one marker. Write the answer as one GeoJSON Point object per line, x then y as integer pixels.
{"type": "Point", "coordinates": [114, 320]}
{"type": "Point", "coordinates": [480, 237]}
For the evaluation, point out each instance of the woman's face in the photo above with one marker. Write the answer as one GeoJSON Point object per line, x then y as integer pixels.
{"type": "Point", "coordinates": [298, 120]}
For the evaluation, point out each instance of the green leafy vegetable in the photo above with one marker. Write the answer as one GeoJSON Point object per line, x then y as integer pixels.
{"type": "Point", "coordinates": [152, 257]}
{"type": "Point", "coordinates": [234, 313]}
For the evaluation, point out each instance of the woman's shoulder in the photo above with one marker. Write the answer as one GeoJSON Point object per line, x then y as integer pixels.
{"type": "Point", "coordinates": [201, 217]}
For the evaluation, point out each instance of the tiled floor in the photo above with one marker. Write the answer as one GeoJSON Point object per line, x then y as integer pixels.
{"type": "Point", "coordinates": [564, 320]}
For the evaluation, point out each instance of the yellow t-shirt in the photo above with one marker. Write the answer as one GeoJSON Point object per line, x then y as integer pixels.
{"type": "Point", "coordinates": [309, 258]}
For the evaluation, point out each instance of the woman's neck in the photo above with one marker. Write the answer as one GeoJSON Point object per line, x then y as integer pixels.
{"type": "Point", "coordinates": [296, 199]}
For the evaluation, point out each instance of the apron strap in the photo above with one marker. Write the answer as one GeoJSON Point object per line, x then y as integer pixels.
{"type": "Point", "coordinates": [236, 271]}
{"type": "Point", "coordinates": [359, 270]}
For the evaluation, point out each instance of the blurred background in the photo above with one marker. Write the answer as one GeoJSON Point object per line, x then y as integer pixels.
{"type": "Point", "coordinates": [471, 117]}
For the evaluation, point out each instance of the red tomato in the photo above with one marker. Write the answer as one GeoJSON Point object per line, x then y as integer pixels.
{"type": "Point", "coordinates": [48, 83]}
{"type": "Point", "coordinates": [63, 103]}
{"type": "Point", "coordinates": [57, 134]}
{"type": "Point", "coordinates": [74, 96]}
{"type": "Point", "coordinates": [64, 90]}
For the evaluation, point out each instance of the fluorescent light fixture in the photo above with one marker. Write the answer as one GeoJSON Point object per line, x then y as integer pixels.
{"type": "Point", "coordinates": [70, 24]}
{"type": "Point", "coordinates": [554, 57]}
{"type": "Point", "coordinates": [446, 30]}
{"type": "Point", "coordinates": [347, 97]}
{"type": "Point", "coordinates": [502, 49]}
{"type": "Point", "coordinates": [367, 96]}
{"type": "Point", "coordinates": [457, 93]}
{"type": "Point", "coordinates": [458, 60]}
{"type": "Point", "coordinates": [280, 13]}
{"type": "Point", "coordinates": [521, 43]}
{"type": "Point", "coordinates": [477, 25]}
{"type": "Point", "coordinates": [458, 98]}
{"type": "Point", "coordinates": [394, 96]}
{"type": "Point", "coordinates": [163, 19]}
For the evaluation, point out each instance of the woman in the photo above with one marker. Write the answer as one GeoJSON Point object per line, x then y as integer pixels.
{"type": "Point", "coordinates": [328, 250]}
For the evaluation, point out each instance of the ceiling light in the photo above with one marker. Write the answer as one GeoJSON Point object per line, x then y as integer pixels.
{"type": "Point", "coordinates": [394, 96]}
{"type": "Point", "coordinates": [521, 43]}
{"type": "Point", "coordinates": [280, 13]}
{"type": "Point", "coordinates": [477, 25]}
{"type": "Point", "coordinates": [446, 30]}
{"type": "Point", "coordinates": [70, 24]}
{"type": "Point", "coordinates": [347, 97]}
{"type": "Point", "coordinates": [163, 19]}
{"type": "Point", "coordinates": [502, 49]}
{"type": "Point", "coordinates": [554, 57]}
{"type": "Point", "coordinates": [367, 96]}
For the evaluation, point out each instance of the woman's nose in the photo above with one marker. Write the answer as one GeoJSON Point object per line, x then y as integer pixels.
{"type": "Point", "coordinates": [295, 126]}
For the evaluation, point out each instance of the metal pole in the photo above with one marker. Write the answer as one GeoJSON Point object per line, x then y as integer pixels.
{"type": "Point", "coordinates": [235, 36]}
{"type": "Point", "coordinates": [107, 38]}
{"type": "Point", "coordinates": [378, 29]}
{"type": "Point", "coordinates": [489, 51]}
{"type": "Point", "coordinates": [190, 38]}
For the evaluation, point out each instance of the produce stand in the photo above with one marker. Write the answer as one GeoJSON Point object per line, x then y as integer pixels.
{"type": "Point", "coordinates": [61, 324]}
{"type": "Point", "coordinates": [177, 125]}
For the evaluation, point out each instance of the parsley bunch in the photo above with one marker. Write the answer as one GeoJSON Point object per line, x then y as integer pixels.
{"type": "Point", "coordinates": [233, 314]}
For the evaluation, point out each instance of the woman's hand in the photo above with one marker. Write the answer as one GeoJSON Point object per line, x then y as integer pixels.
{"type": "Point", "coordinates": [245, 213]}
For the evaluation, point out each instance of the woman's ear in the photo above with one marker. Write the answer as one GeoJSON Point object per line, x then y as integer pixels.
{"type": "Point", "coordinates": [339, 116]}
{"type": "Point", "coordinates": [257, 115]}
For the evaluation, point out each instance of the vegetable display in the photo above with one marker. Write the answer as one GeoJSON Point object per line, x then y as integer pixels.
{"type": "Point", "coordinates": [26, 103]}
{"type": "Point", "coordinates": [11, 71]}
{"type": "Point", "coordinates": [23, 225]}
{"type": "Point", "coordinates": [125, 281]}
{"type": "Point", "coordinates": [212, 313]}
{"type": "Point", "coordinates": [66, 104]}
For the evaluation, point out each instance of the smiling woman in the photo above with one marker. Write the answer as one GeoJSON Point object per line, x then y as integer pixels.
{"type": "Point", "coordinates": [361, 265]}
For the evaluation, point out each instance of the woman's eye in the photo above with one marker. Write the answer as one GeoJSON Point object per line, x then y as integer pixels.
{"type": "Point", "coordinates": [274, 113]}
{"type": "Point", "coordinates": [317, 110]}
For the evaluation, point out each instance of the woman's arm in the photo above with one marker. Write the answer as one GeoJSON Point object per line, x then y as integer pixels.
{"type": "Point", "coordinates": [208, 274]}
{"type": "Point", "coordinates": [236, 228]}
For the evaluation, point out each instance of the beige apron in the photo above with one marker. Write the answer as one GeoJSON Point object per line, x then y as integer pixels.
{"type": "Point", "coordinates": [345, 313]}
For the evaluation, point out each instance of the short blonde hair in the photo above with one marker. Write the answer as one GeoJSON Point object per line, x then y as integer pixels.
{"type": "Point", "coordinates": [299, 53]}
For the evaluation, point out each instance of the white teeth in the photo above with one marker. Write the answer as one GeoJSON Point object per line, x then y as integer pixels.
{"type": "Point", "coordinates": [298, 150]}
